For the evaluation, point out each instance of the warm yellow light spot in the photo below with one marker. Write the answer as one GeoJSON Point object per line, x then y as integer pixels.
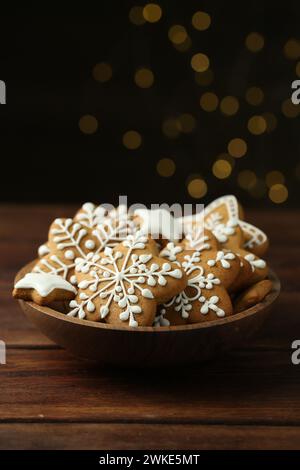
{"type": "Point", "coordinates": [171, 128]}
{"type": "Point", "coordinates": [197, 188]}
{"type": "Point", "coordinates": [102, 72]}
{"type": "Point", "coordinates": [136, 15]}
{"type": "Point", "coordinates": [258, 190]}
{"type": "Point", "coordinates": [278, 193]}
{"type": "Point", "coordinates": [186, 123]}
{"type": "Point", "coordinates": [209, 102]}
{"type": "Point", "coordinates": [254, 96]}
{"type": "Point", "coordinates": [184, 46]}
{"type": "Point", "coordinates": [246, 179]}
{"type": "Point", "coordinates": [200, 62]}
{"type": "Point", "coordinates": [289, 109]}
{"type": "Point", "coordinates": [88, 124]}
{"type": "Point", "coordinates": [237, 147]}
{"type": "Point", "coordinates": [221, 169]}
{"type": "Point", "coordinates": [274, 177]}
{"type": "Point", "coordinates": [201, 20]}
{"type": "Point", "coordinates": [132, 140]}
{"type": "Point", "coordinates": [152, 12]}
{"type": "Point", "coordinates": [271, 121]}
{"type": "Point", "coordinates": [177, 34]}
{"type": "Point", "coordinates": [228, 158]}
{"type": "Point", "coordinates": [292, 49]}
{"type": "Point", "coordinates": [254, 42]}
{"type": "Point", "coordinates": [257, 125]}
{"type": "Point", "coordinates": [229, 105]}
{"type": "Point", "coordinates": [204, 78]}
{"type": "Point", "coordinates": [166, 167]}
{"type": "Point", "coordinates": [144, 78]}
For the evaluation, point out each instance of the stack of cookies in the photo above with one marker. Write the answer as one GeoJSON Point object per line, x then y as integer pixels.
{"type": "Point", "coordinates": [104, 266]}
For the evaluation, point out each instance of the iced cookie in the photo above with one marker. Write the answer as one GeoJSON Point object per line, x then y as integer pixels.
{"type": "Point", "coordinates": [91, 230]}
{"type": "Point", "coordinates": [209, 274]}
{"type": "Point", "coordinates": [124, 285]}
{"type": "Point", "coordinates": [43, 289]}
{"type": "Point", "coordinates": [222, 218]}
{"type": "Point", "coordinates": [255, 240]}
{"type": "Point", "coordinates": [68, 240]}
{"type": "Point", "coordinates": [252, 295]}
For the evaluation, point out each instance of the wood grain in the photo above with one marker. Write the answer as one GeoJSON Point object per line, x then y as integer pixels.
{"type": "Point", "coordinates": [243, 387]}
{"type": "Point", "coordinates": [145, 437]}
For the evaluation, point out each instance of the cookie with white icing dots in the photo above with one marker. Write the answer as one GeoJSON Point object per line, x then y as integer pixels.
{"type": "Point", "coordinates": [106, 266]}
{"type": "Point", "coordinates": [209, 272]}
{"type": "Point", "coordinates": [91, 230]}
{"type": "Point", "coordinates": [222, 218]}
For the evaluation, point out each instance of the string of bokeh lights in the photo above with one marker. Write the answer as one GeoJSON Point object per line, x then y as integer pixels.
{"type": "Point", "coordinates": [274, 183]}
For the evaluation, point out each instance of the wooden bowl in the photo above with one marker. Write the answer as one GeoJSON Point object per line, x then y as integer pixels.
{"type": "Point", "coordinates": [148, 346]}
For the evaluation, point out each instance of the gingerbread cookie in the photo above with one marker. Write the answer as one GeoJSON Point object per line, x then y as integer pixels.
{"type": "Point", "coordinates": [67, 241]}
{"type": "Point", "coordinates": [209, 274]}
{"type": "Point", "coordinates": [252, 296]}
{"type": "Point", "coordinates": [222, 217]}
{"type": "Point", "coordinates": [69, 238]}
{"type": "Point", "coordinates": [43, 288]}
{"type": "Point", "coordinates": [256, 240]}
{"type": "Point", "coordinates": [123, 285]}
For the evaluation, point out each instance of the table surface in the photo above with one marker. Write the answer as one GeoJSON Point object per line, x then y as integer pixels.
{"type": "Point", "coordinates": [249, 398]}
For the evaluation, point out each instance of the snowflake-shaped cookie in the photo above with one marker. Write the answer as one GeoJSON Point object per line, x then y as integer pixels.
{"type": "Point", "coordinates": [123, 285]}
{"type": "Point", "coordinates": [91, 230]}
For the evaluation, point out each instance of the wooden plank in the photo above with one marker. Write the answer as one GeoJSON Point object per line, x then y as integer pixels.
{"type": "Point", "coordinates": [246, 387]}
{"type": "Point", "coordinates": [146, 437]}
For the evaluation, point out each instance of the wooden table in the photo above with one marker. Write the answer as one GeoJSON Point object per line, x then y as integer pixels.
{"type": "Point", "coordinates": [249, 398]}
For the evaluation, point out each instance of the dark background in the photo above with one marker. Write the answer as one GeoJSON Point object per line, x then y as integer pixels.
{"type": "Point", "coordinates": [47, 58]}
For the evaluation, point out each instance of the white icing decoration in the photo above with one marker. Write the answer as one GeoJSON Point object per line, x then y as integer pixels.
{"type": "Point", "coordinates": [223, 258]}
{"type": "Point", "coordinates": [211, 304]}
{"type": "Point", "coordinates": [160, 222]}
{"type": "Point", "coordinates": [256, 263]}
{"type": "Point", "coordinates": [114, 228]}
{"type": "Point", "coordinates": [90, 215]}
{"type": "Point", "coordinates": [256, 236]}
{"type": "Point", "coordinates": [183, 301]}
{"type": "Point", "coordinates": [214, 220]}
{"type": "Point", "coordinates": [196, 239]}
{"type": "Point", "coordinates": [69, 254]}
{"type": "Point", "coordinates": [221, 230]}
{"type": "Point", "coordinates": [43, 250]}
{"type": "Point", "coordinates": [120, 285]}
{"type": "Point", "coordinates": [56, 267]}
{"type": "Point", "coordinates": [90, 244]}
{"type": "Point", "coordinates": [44, 283]}
{"type": "Point", "coordinates": [230, 202]}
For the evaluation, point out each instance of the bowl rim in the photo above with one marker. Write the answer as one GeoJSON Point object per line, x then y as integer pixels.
{"type": "Point", "coordinates": [266, 302]}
